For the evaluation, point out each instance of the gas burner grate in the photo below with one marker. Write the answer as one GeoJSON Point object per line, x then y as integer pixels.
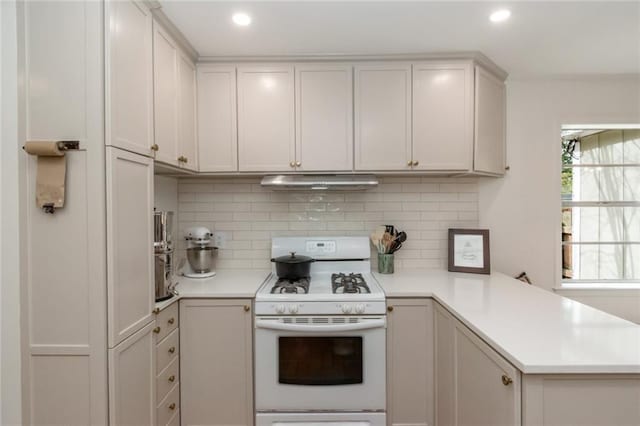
{"type": "Point", "coordinates": [348, 284]}
{"type": "Point", "coordinates": [290, 286]}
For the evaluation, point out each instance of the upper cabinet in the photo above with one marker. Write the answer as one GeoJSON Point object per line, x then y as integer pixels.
{"type": "Point", "coordinates": [174, 102]}
{"type": "Point", "coordinates": [324, 116]}
{"type": "Point", "coordinates": [382, 96]}
{"type": "Point", "coordinates": [489, 153]}
{"type": "Point", "coordinates": [266, 118]}
{"type": "Point", "coordinates": [165, 95]}
{"type": "Point", "coordinates": [431, 116]}
{"type": "Point", "coordinates": [129, 85]}
{"type": "Point", "coordinates": [187, 142]}
{"type": "Point", "coordinates": [442, 116]}
{"type": "Point", "coordinates": [217, 124]}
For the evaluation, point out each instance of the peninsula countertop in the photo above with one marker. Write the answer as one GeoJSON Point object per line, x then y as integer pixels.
{"type": "Point", "coordinates": [537, 331]}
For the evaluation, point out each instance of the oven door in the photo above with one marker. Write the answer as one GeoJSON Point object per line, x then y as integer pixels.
{"type": "Point", "coordinates": [320, 363]}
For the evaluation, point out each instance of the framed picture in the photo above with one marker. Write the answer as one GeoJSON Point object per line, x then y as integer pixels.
{"type": "Point", "coordinates": [469, 251]}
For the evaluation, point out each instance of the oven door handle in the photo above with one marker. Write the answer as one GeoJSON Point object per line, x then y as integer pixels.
{"type": "Point", "coordinates": [273, 325]}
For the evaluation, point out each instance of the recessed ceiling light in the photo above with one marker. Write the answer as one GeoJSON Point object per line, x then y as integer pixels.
{"type": "Point", "coordinates": [241, 19]}
{"type": "Point", "coordinates": [500, 15]}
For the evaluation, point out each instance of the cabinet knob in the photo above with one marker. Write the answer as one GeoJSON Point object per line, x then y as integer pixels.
{"type": "Point", "coordinates": [155, 147]}
{"type": "Point", "coordinates": [298, 164]}
{"type": "Point", "coordinates": [506, 380]}
{"type": "Point", "coordinates": [156, 330]}
{"type": "Point", "coordinates": [185, 160]}
{"type": "Point", "coordinates": [172, 349]}
{"type": "Point", "coordinates": [415, 163]}
{"type": "Point", "coordinates": [409, 163]}
{"type": "Point", "coordinates": [390, 308]}
{"type": "Point", "coordinates": [292, 164]}
{"type": "Point", "coordinates": [172, 379]}
{"type": "Point", "coordinates": [247, 308]}
{"type": "Point", "coordinates": [171, 320]}
{"type": "Point", "coordinates": [172, 406]}
{"type": "Point", "coordinates": [156, 311]}
{"type": "Point", "coordinates": [507, 168]}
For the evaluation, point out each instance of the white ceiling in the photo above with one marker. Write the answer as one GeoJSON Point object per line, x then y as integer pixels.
{"type": "Point", "coordinates": [548, 38]}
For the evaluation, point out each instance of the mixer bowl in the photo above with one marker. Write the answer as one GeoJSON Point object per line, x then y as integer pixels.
{"type": "Point", "coordinates": [201, 259]}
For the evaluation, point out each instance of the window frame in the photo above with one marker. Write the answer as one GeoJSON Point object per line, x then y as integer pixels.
{"type": "Point", "coordinates": [573, 283]}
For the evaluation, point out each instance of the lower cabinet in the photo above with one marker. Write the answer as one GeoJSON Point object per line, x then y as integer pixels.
{"type": "Point", "coordinates": [216, 364]}
{"type": "Point", "coordinates": [132, 379]}
{"type": "Point", "coordinates": [474, 384]}
{"type": "Point", "coordinates": [167, 366]}
{"type": "Point", "coordinates": [410, 389]}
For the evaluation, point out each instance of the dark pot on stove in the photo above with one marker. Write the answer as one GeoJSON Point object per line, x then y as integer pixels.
{"type": "Point", "coordinates": [293, 267]}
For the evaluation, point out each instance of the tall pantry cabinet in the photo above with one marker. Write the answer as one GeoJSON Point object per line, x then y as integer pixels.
{"type": "Point", "coordinates": [87, 303]}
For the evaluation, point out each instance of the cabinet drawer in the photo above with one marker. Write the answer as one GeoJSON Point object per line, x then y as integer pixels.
{"type": "Point", "coordinates": [167, 321]}
{"type": "Point", "coordinates": [168, 407]}
{"type": "Point", "coordinates": [167, 378]}
{"type": "Point", "coordinates": [167, 350]}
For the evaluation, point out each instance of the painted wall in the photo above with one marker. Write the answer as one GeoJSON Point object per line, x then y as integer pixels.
{"type": "Point", "coordinates": [523, 209]}
{"type": "Point", "coordinates": [10, 366]}
{"type": "Point", "coordinates": [249, 216]}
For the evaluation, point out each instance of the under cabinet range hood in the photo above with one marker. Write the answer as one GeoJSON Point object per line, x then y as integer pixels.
{"type": "Point", "coordinates": [319, 182]}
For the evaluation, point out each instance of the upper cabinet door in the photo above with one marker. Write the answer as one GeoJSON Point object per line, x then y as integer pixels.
{"type": "Point", "coordinates": [442, 115]}
{"type": "Point", "coordinates": [217, 124]}
{"type": "Point", "coordinates": [165, 101]}
{"type": "Point", "coordinates": [129, 75]}
{"type": "Point", "coordinates": [130, 284]}
{"type": "Point", "coordinates": [266, 123]}
{"type": "Point", "coordinates": [489, 153]}
{"type": "Point", "coordinates": [383, 117]}
{"type": "Point", "coordinates": [187, 144]}
{"type": "Point", "coordinates": [324, 117]}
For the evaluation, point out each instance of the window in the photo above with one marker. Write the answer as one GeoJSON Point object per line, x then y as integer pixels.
{"type": "Point", "coordinates": [601, 206]}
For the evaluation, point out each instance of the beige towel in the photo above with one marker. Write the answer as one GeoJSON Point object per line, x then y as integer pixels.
{"type": "Point", "coordinates": [51, 172]}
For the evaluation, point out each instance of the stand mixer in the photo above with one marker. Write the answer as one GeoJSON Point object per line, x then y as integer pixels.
{"type": "Point", "coordinates": [200, 253]}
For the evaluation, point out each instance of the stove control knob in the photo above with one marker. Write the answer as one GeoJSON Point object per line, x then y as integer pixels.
{"type": "Point", "coordinates": [346, 309]}
{"type": "Point", "coordinates": [293, 309]}
{"type": "Point", "coordinates": [281, 309]}
{"type": "Point", "coordinates": [360, 308]}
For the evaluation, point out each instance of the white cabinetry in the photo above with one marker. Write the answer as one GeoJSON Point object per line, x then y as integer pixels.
{"type": "Point", "coordinates": [490, 114]}
{"type": "Point", "coordinates": [130, 285]}
{"type": "Point", "coordinates": [442, 116]}
{"type": "Point", "coordinates": [174, 102]}
{"type": "Point", "coordinates": [167, 365]}
{"type": "Point", "coordinates": [266, 122]}
{"type": "Point", "coordinates": [324, 117]}
{"type": "Point", "coordinates": [410, 380]}
{"type": "Point", "coordinates": [217, 124]}
{"type": "Point", "coordinates": [132, 380]}
{"type": "Point", "coordinates": [382, 98]}
{"type": "Point", "coordinates": [474, 384]}
{"type": "Point", "coordinates": [187, 143]}
{"type": "Point", "coordinates": [216, 362]}
{"type": "Point", "coordinates": [129, 75]}
{"type": "Point", "coordinates": [165, 100]}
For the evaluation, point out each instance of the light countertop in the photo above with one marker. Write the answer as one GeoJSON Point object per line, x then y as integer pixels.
{"type": "Point", "coordinates": [225, 284]}
{"type": "Point", "coordinates": [537, 331]}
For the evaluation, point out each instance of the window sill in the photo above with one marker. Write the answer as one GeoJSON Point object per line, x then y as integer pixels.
{"type": "Point", "coordinates": [599, 289]}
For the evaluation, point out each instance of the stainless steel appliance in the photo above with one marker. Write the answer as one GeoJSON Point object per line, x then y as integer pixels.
{"type": "Point", "coordinates": [163, 254]}
{"type": "Point", "coordinates": [320, 340]}
{"type": "Point", "coordinates": [200, 253]}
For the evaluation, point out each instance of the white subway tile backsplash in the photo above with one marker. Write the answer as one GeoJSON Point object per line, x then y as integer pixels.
{"type": "Point", "coordinates": [424, 207]}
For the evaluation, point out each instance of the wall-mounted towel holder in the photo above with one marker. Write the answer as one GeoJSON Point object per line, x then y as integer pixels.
{"type": "Point", "coordinates": [51, 171]}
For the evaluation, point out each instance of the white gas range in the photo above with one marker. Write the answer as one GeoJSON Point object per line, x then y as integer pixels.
{"type": "Point", "coordinates": [320, 340]}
